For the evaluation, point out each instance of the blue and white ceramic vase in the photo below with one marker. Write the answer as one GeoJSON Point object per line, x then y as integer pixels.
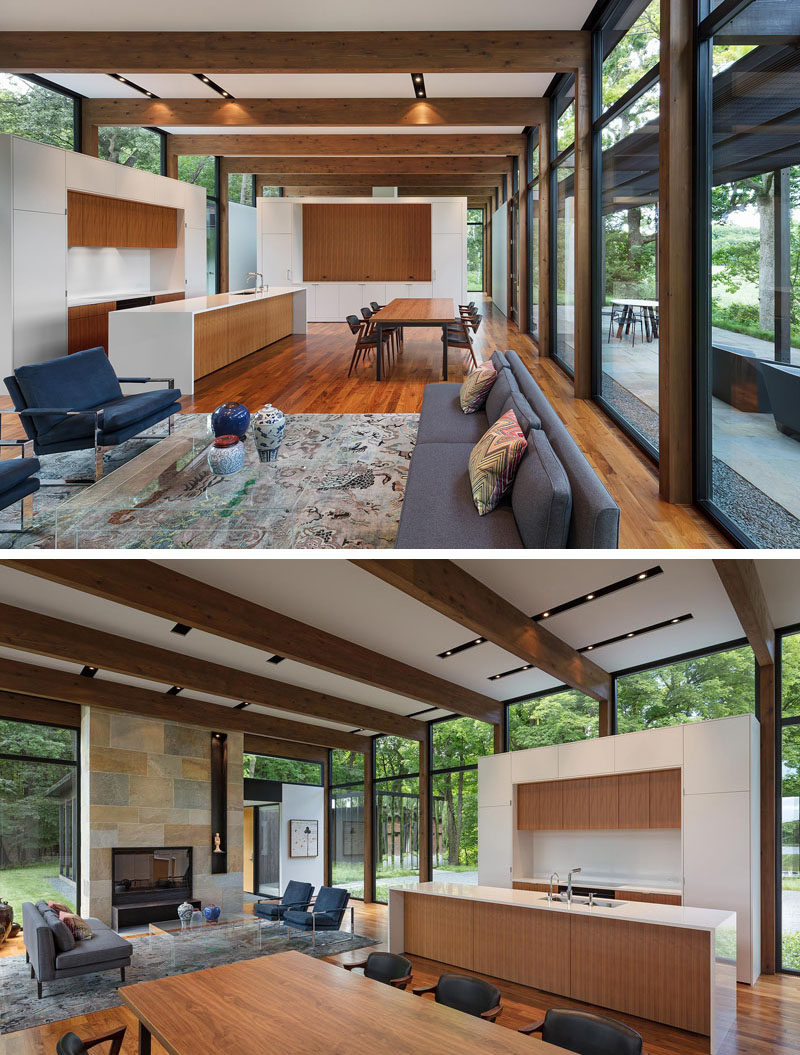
{"type": "Point", "coordinates": [185, 912]}
{"type": "Point", "coordinates": [268, 426]}
{"type": "Point", "coordinates": [231, 419]}
{"type": "Point", "coordinates": [226, 457]}
{"type": "Point", "coordinates": [211, 912]}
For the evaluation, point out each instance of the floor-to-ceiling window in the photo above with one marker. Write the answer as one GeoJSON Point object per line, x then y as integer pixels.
{"type": "Point", "coordinates": [789, 792]}
{"type": "Point", "coordinates": [204, 171]}
{"type": "Point", "coordinates": [39, 814]}
{"type": "Point", "coordinates": [626, 123]}
{"type": "Point", "coordinates": [346, 821]}
{"type": "Point", "coordinates": [396, 813]}
{"type": "Point", "coordinates": [282, 770]}
{"type": "Point", "coordinates": [474, 250]}
{"type": "Point", "coordinates": [749, 271]}
{"type": "Point", "coordinates": [139, 148]}
{"type": "Point", "coordinates": [33, 108]}
{"type": "Point", "coordinates": [241, 188]}
{"type": "Point", "coordinates": [555, 716]}
{"type": "Point", "coordinates": [456, 746]}
{"type": "Point", "coordinates": [533, 233]}
{"type": "Point", "coordinates": [562, 233]}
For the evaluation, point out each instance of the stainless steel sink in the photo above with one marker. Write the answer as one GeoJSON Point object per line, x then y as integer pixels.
{"type": "Point", "coordinates": [598, 902]}
{"type": "Point", "coordinates": [245, 293]}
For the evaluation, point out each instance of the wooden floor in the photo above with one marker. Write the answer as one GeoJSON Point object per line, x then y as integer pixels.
{"type": "Point", "coordinates": [768, 1020]}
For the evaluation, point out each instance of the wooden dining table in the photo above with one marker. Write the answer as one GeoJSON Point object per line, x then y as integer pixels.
{"type": "Point", "coordinates": [291, 1003]}
{"type": "Point", "coordinates": [414, 311]}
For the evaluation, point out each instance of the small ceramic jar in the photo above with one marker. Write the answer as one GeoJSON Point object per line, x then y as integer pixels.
{"type": "Point", "coordinates": [230, 419]}
{"type": "Point", "coordinates": [226, 457]}
{"type": "Point", "coordinates": [268, 426]}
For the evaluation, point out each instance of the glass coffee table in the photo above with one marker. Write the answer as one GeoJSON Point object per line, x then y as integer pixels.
{"type": "Point", "coordinates": [188, 941]}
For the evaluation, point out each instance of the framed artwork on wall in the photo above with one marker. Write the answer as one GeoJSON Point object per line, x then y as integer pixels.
{"type": "Point", "coordinates": [303, 841]}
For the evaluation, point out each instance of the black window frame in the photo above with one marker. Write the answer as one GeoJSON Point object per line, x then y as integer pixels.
{"type": "Point", "coordinates": [77, 106]}
{"type": "Point", "coordinates": [288, 758]}
{"type": "Point", "coordinates": [781, 723]}
{"type": "Point", "coordinates": [368, 812]}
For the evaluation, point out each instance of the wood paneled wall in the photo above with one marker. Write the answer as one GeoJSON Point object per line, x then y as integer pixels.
{"type": "Point", "coordinates": [364, 243]}
{"type": "Point", "coordinates": [95, 220]}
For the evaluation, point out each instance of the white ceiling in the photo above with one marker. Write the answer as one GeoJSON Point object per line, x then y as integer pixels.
{"type": "Point", "coordinates": [345, 130]}
{"type": "Point", "coordinates": [319, 15]}
{"type": "Point", "coordinates": [336, 596]}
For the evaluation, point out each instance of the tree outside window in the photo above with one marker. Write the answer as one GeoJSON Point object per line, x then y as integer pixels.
{"type": "Point", "coordinates": [35, 112]}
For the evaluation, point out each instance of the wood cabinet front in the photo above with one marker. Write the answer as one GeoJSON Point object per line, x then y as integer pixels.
{"type": "Point", "coordinates": [87, 326]}
{"type": "Point", "coordinates": [367, 243]}
{"type": "Point", "coordinates": [666, 793]}
{"type": "Point", "coordinates": [521, 945]}
{"type": "Point", "coordinates": [96, 220]}
{"type": "Point", "coordinates": [439, 928]}
{"type": "Point", "coordinates": [224, 335]}
{"type": "Point", "coordinates": [633, 800]}
{"type": "Point", "coordinates": [540, 806]}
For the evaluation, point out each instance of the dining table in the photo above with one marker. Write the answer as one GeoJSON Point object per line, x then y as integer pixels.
{"type": "Point", "coordinates": [293, 1004]}
{"type": "Point", "coordinates": [649, 310]}
{"type": "Point", "coordinates": [438, 312]}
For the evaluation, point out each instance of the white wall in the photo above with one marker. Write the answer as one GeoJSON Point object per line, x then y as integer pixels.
{"type": "Point", "coordinates": [302, 803]}
{"type": "Point", "coordinates": [500, 258]}
{"type": "Point", "coordinates": [93, 270]}
{"type": "Point", "coordinates": [242, 244]}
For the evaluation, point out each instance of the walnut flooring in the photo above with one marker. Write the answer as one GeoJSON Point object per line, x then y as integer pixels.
{"type": "Point", "coordinates": [768, 1021]}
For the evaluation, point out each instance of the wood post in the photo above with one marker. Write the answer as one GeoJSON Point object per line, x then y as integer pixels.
{"type": "Point", "coordinates": [583, 229]}
{"type": "Point", "coordinates": [222, 233]}
{"type": "Point", "coordinates": [172, 158]}
{"type": "Point", "coordinates": [88, 138]}
{"type": "Point", "coordinates": [499, 731]}
{"type": "Point", "coordinates": [326, 824]}
{"type": "Point", "coordinates": [523, 309]}
{"type": "Point", "coordinates": [675, 251]}
{"type": "Point", "coordinates": [544, 236]}
{"type": "Point", "coordinates": [369, 823]}
{"type": "Point", "coordinates": [769, 849]}
{"type": "Point", "coordinates": [425, 810]}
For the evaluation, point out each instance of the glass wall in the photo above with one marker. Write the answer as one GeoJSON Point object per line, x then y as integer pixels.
{"type": "Point", "coordinates": [558, 716]}
{"type": "Point", "coordinates": [749, 281]}
{"type": "Point", "coordinates": [789, 747]}
{"type": "Point", "coordinates": [396, 813]}
{"type": "Point", "coordinates": [347, 821]}
{"type": "Point", "coordinates": [39, 814]}
{"type": "Point", "coordinates": [626, 232]}
{"type": "Point", "coordinates": [284, 770]}
{"type": "Point", "coordinates": [714, 685]}
{"type": "Point", "coordinates": [533, 237]}
{"type": "Point", "coordinates": [562, 232]}
{"type": "Point", "coordinates": [457, 744]}
{"type": "Point", "coordinates": [29, 108]}
{"type": "Point", "coordinates": [204, 171]}
{"type": "Point", "coordinates": [139, 148]}
{"type": "Point", "coordinates": [474, 250]}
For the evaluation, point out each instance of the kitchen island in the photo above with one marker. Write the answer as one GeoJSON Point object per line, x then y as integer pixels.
{"type": "Point", "coordinates": [665, 963]}
{"type": "Point", "coordinates": [187, 339]}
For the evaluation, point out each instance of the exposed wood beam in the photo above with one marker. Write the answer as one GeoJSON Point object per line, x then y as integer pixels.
{"type": "Point", "coordinates": [269, 745]}
{"type": "Point", "coordinates": [332, 166]}
{"type": "Point", "coordinates": [274, 178]}
{"type": "Point", "coordinates": [402, 144]}
{"type": "Point", "coordinates": [31, 680]}
{"type": "Point", "coordinates": [43, 635]}
{"type": "Point", "coordinates": [536, 51]}
{"type": "Point", "coordinates": [365, 191]}
{"type": "Point", "coordinates": [38, 709]}
{"type": "Point", "coordinates": [447, 589]}
{"type": "Point", "coordinates": [167, 593]}
{"type": "Point", "coordinates": [739, 576]}
{"type": "Point", "coordinates": [165, 113]}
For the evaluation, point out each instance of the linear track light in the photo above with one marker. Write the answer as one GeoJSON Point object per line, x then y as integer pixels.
{"type": "Point", "coordinates": [132, 84]}
{"type": "Point", "coordinates": [213, 85]}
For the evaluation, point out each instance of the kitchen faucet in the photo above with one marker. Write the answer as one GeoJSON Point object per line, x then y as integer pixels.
{"type": "Point", "coordinates": [257, 274]}
{"type": "Point", "coordinates": [553, 875]}
{"type": "Point", "coordinates": [570, 874]}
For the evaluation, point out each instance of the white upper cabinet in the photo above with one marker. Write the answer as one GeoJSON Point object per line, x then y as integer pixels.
{"type": "Point", "coordinates": [90, 175]}
{"type": "Point", "coordinates": [39, 177]}
{"type": "Point", "coordinates": [275, 216]}
{"type": "Point", "coordinates": [275, 259]}
{"type": "Point", "coordinates": [40, 282]}
{"type": "Point", "coordinates": [194, 205]}
{"type": "Point", "coordinates": [717, 755]}
{"type": "Point", "coordinates": [586, 758]}
{"type": "Point", "coordinates": [196, 265]}
{"type": "Point", "coordinates": [494, 780]}
{"type": "Point", "coordinates": [447, 262]}
{"type": "Point", "coordinates": [448, 217]}
{"type": "Point", "coordinates": [495, 839]}
{"type": "Point", "coordinates": [136, 185]}
{"type": "Point", "coordinates": [649, 749]}
{"type": "Point", "coordinates": [537, 763]}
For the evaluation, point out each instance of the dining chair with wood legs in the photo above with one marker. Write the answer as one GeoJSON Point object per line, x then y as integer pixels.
{"type": "Point", "coordinates": [366, 343]}
{"type": "Point", "coordinates": [377, 307]}
{"type": "Point", "coordinates": [458, 336]}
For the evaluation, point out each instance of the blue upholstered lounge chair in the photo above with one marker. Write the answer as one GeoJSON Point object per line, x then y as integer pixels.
{"type": "Point", "coordinates": [295, 896]}
{"type": "Point", "coordinates": [326, 912]}
{"type": "Point", "coordinates": [18, 484]}
{"type": "Point", "coordinates": [75, 403]}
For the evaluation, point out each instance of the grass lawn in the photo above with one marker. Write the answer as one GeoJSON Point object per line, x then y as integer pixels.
{"type": "Point", "coordinates": [29, 884]}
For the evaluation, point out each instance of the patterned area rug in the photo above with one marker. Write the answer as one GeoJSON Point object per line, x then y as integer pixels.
{"type": "Point", "coordinates": [154, 957]}
{"type": "Point", "coordinates": [338, 483]}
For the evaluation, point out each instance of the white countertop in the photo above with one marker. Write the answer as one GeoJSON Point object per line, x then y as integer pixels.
{"type": "Point", "coordinates": [101, 298]}
{"type": "Point", "coordinates": [631, 912]}
{"type": "Point", "coordinates": [610, 883]}
{"type": "Point", "coordinates": [215, 300]}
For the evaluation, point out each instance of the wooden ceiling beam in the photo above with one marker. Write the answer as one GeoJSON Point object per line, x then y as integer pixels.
{"type": "Point", "coordinates": [365, 191]}
{"type": "Point", "coordinates": [330, 144]}
{"type": "Point", "coordinates": [405, 113]}
{"type": "Point", "coordinates": [164, 592]}
{"type": "Point", "coordinates": [397, 179]}
{"type": "Point", "coordinates": [269, 745]}
{"type": "Point", "coordinates": [365, 166]}
{"type": "Point", "coordinates": [16, 706]}
{"type": "Point", "coordinates": [447, 589]}
{"type": "Point", "coordinates": [30, 680]}
{"type": "Point", "coordinates": [212, 53]}
{"type": "Point", "coordinates": [740, 579]}
{"type": "Point", "coordinates": [43, 635]}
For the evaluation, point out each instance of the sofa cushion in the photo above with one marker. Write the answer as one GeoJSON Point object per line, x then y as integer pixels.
{"type": "Point", "coordinates": [499, 360]}
{"type": "Point", "coordinates": [501, 391]}
{"type": "Point", "coordinates": [118, 415]}
{"type": "Point", "coordinates": [74, 382]}
{"type": "Point", "coordinates": [494, 462]}
{"type": "Point", "coordinates": [62, 935]}
{"type": "Point", "coordinates": [438, 511]}
{"type": "Point", "coordinates": [541, 497]}
{"type": "Point", "coordinates": [78, 927]}
{"type": "Point", "coordinates": [476, 388]}
{"type": "Point", "coordinates": [106, 946]}
{"type": "Point", "coordinates": [15, 470]}
{"type": "Point", "coordinates": [525, 414]}
{"type": "Point", "coordinates": [443, 421]}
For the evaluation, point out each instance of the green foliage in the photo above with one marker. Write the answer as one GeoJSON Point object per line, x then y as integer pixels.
{"type": "Point", "coordinates": [29, 110]}
{"type": "Point", "coordinates": [198, 169]}
{"type": "Point", "coordinates": [460, 742]}
{"type": "Point", "coordinates": [347, 767]}
{"type": "Point", "coordinates": [395, 756]}
{"type": "Point", "coordinates": [30, 884]}
{"type": "Point", "coordinates": [138, 148]}
{"type": "Point", "coordinates": [240, 188]}
{"type": "Point", "coordinates": [285, 770]}
{"type": "Point", "coordinates": [556, 718]}
{"type": "Point", "coordinates": [790, 958]}
{"type": "Point", "coordinates": [474, 251]}
{"type": "Point", "coordinates": [633, 56]}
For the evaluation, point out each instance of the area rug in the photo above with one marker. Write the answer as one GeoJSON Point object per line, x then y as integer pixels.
{"type": "Point", "coordinates": [152, 958]}
{"type": "Point", "coordinates": [338, 483]}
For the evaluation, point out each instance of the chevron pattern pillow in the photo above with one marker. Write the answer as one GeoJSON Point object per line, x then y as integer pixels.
{"type": "Point", "coordinates": [476, 388]}
{"type": "Point", "coordinates": [494, 461]}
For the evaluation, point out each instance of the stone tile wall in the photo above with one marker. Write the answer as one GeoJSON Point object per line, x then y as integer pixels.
{"type": "Point", "coordinates": [146, 782]}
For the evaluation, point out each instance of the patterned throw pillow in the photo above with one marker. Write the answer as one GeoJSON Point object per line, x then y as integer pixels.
{"type": "Point", "coordinates": [79, 928]}
{"type": "Point", "coordinates": [476, 388]}
{"type": "Point", "coordinates": [494, 461]}
{"type": "Point", "coordinates": [56, 906]}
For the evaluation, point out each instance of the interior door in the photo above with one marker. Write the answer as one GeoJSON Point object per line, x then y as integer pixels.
{"type": "Point", "coordinates": [249, 860]}
{"type": "Point", "coordinates": [268, 855]}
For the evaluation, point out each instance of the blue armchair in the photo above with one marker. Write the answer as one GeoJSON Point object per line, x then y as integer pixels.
{"type": "Point", "coordinates": [326, 912]}
{"type": "Point", "coordinates": [75, 403]}
{"type": "Point", "coordinates": [295, 896]}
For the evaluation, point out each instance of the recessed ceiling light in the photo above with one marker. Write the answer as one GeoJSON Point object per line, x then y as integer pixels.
{"type": "Point", "coordinates": [545, 615]}
{"type": "Point", "coordinates": [589, 596]}
{"type": "Point", "coordinates": [241, 706]}
{"type": "Point", "coordinates": [418, 83]}
{"type": "Point", "coordinates": [601, 591]}
{"type": "Point", "coordinates": [130, 84]}
{"type": "Point", "coordinates": [174, 690]}
{"type": "Point", "coordinates": [89, 672]}
{"type": "Point", "coordinates": [447, 653]}
{"type": "Point", "coordinates": [276, 659]}
{"type": "Point", "coordinates": [643, 575]}
{"type": "Point", "coordinates": [589, 648]}
{"type": "Point", "coordinates": [630, 634]}
{"type": "Point", "coordinates": [676, 620]}
{"type": "Point", "coordinates": [213, 85]}
{"type": "Point", "coordinates": [180, 628]}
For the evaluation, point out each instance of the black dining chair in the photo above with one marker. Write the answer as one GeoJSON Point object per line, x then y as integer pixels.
{"type": "Point", "coordinates": [458, 336]}
{"type": "Point", "coordinates": [387, 967]}
{"type": "Point", "coordinates": [368, 314]}
{"type": "Point", "coordinates": [379, 307]}
{"type": "Point", "coordinates": [586, 1033]}
{"type": "Point", "coordinates": [366, 343]}
{"type": "Point", "coordinates": [71, 1043]}
{"type": "Point", "coordinates": [473, 996]}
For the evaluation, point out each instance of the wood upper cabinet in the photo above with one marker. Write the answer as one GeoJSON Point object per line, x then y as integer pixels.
{"type": "Point", "coordinates": [603, 806]}
{"type": "Point", "coordinates": [666, 792]}
{"type": "Point", "coordinates": [96, 220]}
{"type": "Point", "coordinates": [633, 800]}
{"type": "Point", "coordinates": [539, 806]}
{"type": "Point", "coordinates": [575, 813]}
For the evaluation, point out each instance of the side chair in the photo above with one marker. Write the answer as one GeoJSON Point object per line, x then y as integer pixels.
{"type": "Point", "coordinates": [473, 996]}
{"type": "Point", "coordinates": [71, 1043]}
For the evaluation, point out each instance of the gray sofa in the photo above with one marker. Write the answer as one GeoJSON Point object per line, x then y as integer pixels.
{"type": "Point", "coordinates": [53, 953]}
{"type": "Point", "coordinates": [556, 501]}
